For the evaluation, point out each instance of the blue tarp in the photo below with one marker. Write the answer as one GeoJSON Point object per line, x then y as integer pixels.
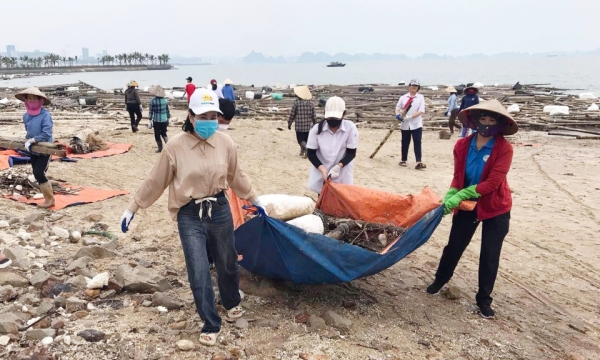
{"type": "Point", "coordinates": [278, 250]}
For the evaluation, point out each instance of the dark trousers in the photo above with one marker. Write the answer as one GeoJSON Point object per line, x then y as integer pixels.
{"type": "Point", "coordinates": [302, 136]}
{"type": "Point", "coordinates": [198, 237]}
{"type": "Point", "coordinates": [134, 111]}
{"type": "Point", "coordinates": [452, 120]}
{"type": "Point", "coordinates": [40, 164]}
{"type": "Point", "coordinates": [417, 135]}
{"type": "Point", "coordinates": [160, 130]}
{"type": "Point", "coordinates": [494, 231]}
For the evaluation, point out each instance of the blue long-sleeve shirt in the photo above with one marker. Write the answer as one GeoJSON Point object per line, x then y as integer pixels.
{"type": "Point", "coordinates": [468, 101]}
{"type": "Point", "coordinates": [228, 92]}
{"type": "Point", "coordinates": [39, 127]}
{"type": "Point", "coordinates": [452, 103]}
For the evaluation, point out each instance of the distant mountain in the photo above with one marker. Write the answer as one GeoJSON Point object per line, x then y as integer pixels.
{"type": "Point", "coordinates": [258, 58]}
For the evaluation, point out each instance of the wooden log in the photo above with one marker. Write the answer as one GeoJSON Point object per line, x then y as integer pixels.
{"type": "Point", "coordinates": [574, 129]}
{"type": "Point", "coordinates": [587, 137]}
{"type": "Point", "coordinates": [40, 148]}
{"type": "Point", "coordinates": [343, 229]}
{"type": "Point", "coordinates": [558, 133]}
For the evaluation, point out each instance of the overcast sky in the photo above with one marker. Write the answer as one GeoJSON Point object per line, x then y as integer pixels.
{"type": "Point", "coordinates": [290, 27]}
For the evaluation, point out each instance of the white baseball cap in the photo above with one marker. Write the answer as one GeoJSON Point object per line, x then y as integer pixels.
{"type": "Point", "coordinates": [335, 107]}
{"type": "Point", "coordinates": [203, 101]}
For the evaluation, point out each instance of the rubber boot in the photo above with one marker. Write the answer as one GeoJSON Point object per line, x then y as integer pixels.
{"type": "Point", "coordinates": [165, 138]}
{"type": "Point", "coordinates": [159, 148]}
{"type": "Point", "coordinates": [48, 195]}
{"type": "Point", "coordinates": [303, 149]}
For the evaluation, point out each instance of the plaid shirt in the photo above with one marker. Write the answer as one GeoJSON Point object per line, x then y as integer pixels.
{"type": "Point", "coordinates": [303, 112]}
{"type": "Point", "coordinates": [159, 110]}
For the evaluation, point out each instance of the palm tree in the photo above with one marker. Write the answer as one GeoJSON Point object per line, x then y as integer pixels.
{"type": "Point", "coordinates": [76, 60]}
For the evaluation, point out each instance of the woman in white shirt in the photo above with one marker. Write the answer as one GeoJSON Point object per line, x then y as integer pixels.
{"type": "Point", "coordinates": [331, 147]}
{"type": "Point", "coordinates": [409, 111]}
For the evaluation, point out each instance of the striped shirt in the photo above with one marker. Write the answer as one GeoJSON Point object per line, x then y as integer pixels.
{"type": "Point", "coordinates": [159, 110]}
{"type": "Point", "coordinates": [303, 112]}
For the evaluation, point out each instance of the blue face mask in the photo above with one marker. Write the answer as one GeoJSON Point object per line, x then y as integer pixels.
{"type": "Point", "coordinates": [206, 128]}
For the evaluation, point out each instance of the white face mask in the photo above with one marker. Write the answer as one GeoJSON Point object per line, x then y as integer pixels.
{"type": "Point", "coordinates": [223, 127]}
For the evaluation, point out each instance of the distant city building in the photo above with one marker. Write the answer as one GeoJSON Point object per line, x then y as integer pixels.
{"type": "Point", "coordinates": [11, 50]}
{"type": "Point", "coordinates": [86, 53]}
{"type": "Point", "coordinates": [104, 53]}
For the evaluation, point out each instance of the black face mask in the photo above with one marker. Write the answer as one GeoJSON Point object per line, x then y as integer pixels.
{"type": "Point", "coordinates": [333, 123]}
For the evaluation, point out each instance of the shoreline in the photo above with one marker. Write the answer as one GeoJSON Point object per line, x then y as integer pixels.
{"type": "Point", "coordinates": [25, 72]}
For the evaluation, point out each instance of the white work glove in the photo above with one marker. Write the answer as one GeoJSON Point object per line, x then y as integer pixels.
{"type": "Point", "coordinates": [28, 144]}
{"type": "Point", "coordinates": [256, 202]}
{"type": "Point", "coordinates": [335, 171]}
{"type": "Point", "coordinates": [149, 124]}
{"type": "Point", "coordinates": [126, 220]}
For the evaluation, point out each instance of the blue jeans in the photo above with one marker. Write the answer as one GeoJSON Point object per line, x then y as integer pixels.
{"type": "Point", "coordinates": [214, 234]}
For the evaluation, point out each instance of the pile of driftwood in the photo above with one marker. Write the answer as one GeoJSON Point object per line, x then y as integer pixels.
{"type": "Point", "coordinates": [368, 105]}
{"type": "Point", "coordinates": [371, 236]}
{"type": "Point", "coordinates": [19, 181]}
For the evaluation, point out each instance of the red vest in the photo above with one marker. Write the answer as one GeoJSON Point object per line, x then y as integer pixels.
{"type": "Point", "coordinates": [495, 193]}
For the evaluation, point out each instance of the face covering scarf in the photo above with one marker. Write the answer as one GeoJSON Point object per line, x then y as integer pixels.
{"type": "Point", "coordinates": [223, 127]}
{"type": "Point", "coordinates": [34, 107]}
{"type": "Point", "coordinates": [206, 128]}
{"type": "Point", "coordinates": [487, 131]}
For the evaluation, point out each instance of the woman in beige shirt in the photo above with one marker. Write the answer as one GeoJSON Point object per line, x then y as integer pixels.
{"type": "Point", "coordinates": [198, 165]}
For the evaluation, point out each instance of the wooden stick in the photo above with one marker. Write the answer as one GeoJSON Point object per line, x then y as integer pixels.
{"type": "Point", "coordinates": [387, 136]}
{"type": "Point", "coordinates": [573, 129]}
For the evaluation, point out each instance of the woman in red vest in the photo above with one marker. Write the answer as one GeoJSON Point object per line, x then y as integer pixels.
{"type": "Point", "coordinates": [481, 163]}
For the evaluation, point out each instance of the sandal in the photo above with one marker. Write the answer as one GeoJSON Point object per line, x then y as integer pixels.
{"type": "Point", "coordinates": [420, 166]}
{"type": "Point", "coordinates": [234, 313]}
{"type": "Point", "coordinates": [402, 163]}
{"type": "Point", "coordinates": [208, 339]}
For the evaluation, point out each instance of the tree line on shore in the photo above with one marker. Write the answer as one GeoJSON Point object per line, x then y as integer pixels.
{"type": "Point", "coordinates": [54, 60]}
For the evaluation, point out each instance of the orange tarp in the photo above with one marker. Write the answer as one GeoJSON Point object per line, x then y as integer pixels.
{"type": "Point", "coordinates": [4, 155]}
{"type": "Point", "coordinates": [113, 149]}
{"type": "Point", "coordinates": [237, 212]}
{"type": "Point", "coordinates": [85, 195]}
{"type": "Point", "coordinates": [376, 206]}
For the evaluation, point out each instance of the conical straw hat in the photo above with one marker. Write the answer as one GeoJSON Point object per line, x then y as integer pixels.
{"type": "Point", "coordinates": [157, 90]}
{"type": "Point", "coordinates": [33, 91]}
{"type": "Point", "coordinates": [469, 116]}
{"type": "Point", "coordinates": [303, 92]}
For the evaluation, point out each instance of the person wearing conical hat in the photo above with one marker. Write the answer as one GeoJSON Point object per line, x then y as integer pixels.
{"type": "Point", "coordinates": [467, 101]}
{"type": "Point", "coordinates": [452, 107]}
{"type": "Point", "coordinates": [228, 92]}
{"type": "Point", "coordinates": [481, 164]}
{"type": "Point", "coordinates": [133, 104]}
{"type": "Point", "coordinates": [303, 113]}
{"type": "Point", "coordinates": [159, 115]}
{"type": "Point", "coordinates": [39, 127]}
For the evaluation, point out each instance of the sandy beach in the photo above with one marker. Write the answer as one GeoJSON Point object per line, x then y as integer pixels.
{"type": "Point", "coordinates": [546, 294]}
